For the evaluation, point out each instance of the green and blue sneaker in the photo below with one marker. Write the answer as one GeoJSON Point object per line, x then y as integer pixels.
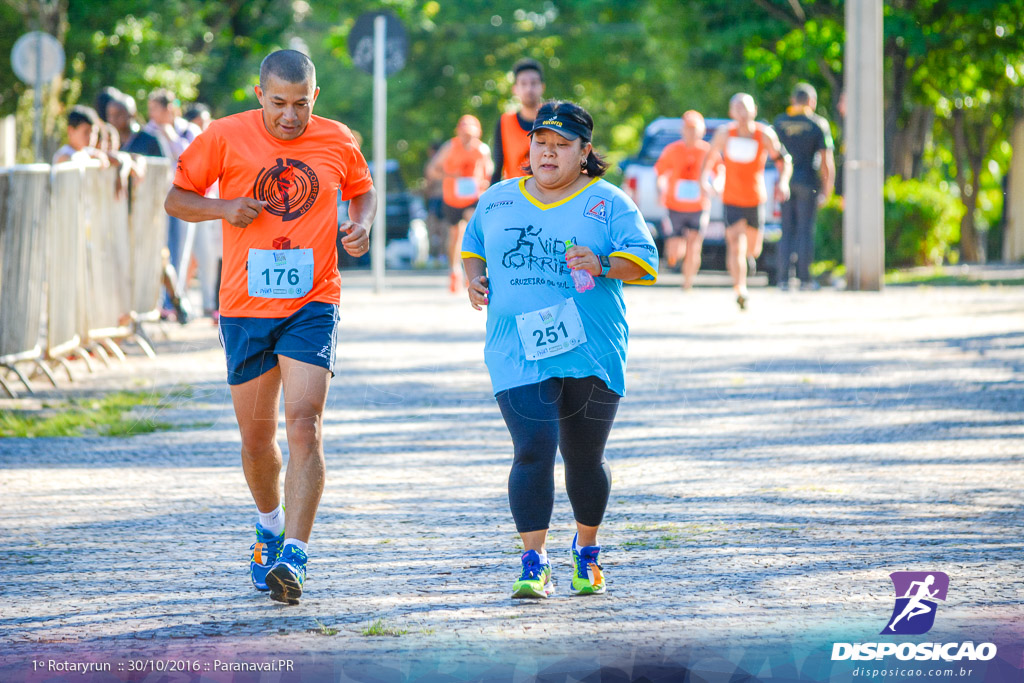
{"type": "Point", "coordinates": [587, 577]}
{"type": "Point", "coordinates": [535, 581]}
{"type": "Point", "coordinates": [286, 577]}
{"type": "Point", "coordinates": [265, 552]}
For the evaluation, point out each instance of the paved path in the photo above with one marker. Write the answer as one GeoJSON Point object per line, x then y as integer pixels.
{"type": "Point", "coordinates": [771, 468]}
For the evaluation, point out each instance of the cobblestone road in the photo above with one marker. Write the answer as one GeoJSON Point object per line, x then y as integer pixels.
{"type": "Point", "coordinates": [770, 470]}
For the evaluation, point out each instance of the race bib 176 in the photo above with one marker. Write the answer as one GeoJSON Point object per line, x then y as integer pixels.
{"type": "Point", "coordinates": [280, 273]}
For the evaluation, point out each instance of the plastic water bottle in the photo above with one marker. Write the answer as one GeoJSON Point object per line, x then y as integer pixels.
{"type": "Point", "coordinates": [581, 278]}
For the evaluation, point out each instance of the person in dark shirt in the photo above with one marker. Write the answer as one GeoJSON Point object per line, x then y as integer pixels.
{"type": "Point", "coordinates": [808, 139]}
{"type": "Point", "coordinates": [511, 147]}
{"type": "Point", "coordinates": [121, 112]}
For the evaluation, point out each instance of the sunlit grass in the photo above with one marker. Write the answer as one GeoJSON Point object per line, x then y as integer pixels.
{"type": "Point", "coordinates": [379, 628]}
{"type": "Point", "coordinates": [107, 416]}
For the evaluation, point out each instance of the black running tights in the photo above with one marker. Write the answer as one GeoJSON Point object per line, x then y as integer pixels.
{"type": "Point", "coordinates": [575, 416]}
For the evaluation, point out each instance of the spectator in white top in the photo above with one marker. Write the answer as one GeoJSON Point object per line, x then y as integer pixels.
{"type": "Point", "coordinates": [208, 241]}
{"type": "Point", "coordinates": [83, 124]}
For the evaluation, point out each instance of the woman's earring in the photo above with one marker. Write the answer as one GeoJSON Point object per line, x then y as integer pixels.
{"type": "Point", "coordinates": [583, 164]}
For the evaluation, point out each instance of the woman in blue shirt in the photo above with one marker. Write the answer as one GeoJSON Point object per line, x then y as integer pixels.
{"type": "Point", "coordinates": [557, 355]}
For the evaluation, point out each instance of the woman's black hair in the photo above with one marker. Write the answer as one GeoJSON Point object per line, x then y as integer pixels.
{"type": "Point", "coordinates": [596, 165]}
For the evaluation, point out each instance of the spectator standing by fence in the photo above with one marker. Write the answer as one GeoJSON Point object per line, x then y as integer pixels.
{"type": "Point", "coordinates": [83, 134]}
{"type": "Point", "coordinates": [208, 239]}
{"type": "Point", "coordinates": [121, 113]}
{"type": "Point", "coordinates": [160, 138]}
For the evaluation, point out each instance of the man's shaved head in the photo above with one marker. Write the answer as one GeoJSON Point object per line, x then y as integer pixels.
{"type": "Point", "coordinates": [744, 100]}
{"type": "Point", "coordinates": [288, 65]}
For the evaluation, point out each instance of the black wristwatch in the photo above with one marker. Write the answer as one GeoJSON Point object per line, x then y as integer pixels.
{"type": "Point", "coordinates": [606, 264]}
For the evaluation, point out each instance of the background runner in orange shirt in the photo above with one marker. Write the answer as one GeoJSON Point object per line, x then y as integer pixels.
{"type": "Point", "coordinates": [744, 145]}
{"type": "Point", "coordinates": [682, 192]}
{"type": "Point", "coordinates": [464, 163]}
{"type": "Point", "coordinates": [512, 134]}
{"type": "Point", "coordinates": [280, 170]}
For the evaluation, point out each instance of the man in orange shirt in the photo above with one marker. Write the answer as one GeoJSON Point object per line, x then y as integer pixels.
{"type": "Point", "coordinates": [744, 146]}
{"type": "Point", "coordinates": [512, 134]}
{"type": "Point", "coordinates": [682, 193]}
{"type": "Point", "coordinates": [280, 169]}
{"type": "Point", "coordinates": [463, 164]}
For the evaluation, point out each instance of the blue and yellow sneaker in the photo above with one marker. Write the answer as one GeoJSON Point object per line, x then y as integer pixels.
{"type": "Point", "coordinates": [286, 577]}
{"type": "Point", "coordinates": [535, 581]}
{"type": "Point", "coordinates": [265, 552]}
{"type": "Point", "coordinates": [587, 577]}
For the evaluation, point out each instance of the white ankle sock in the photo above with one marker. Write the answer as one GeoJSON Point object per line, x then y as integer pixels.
{"type": "Point", "coordinates": [273, 521]}
{"type": "Point", "coordinates": [297, 543]}
{"type": "Point", "coordinates": [543, 557]}
{"type": "Point", "coordinates": [577, 547]}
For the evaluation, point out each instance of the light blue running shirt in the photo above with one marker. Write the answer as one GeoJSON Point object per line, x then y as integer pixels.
{"type": "Point", "coordinates": [523, 243]}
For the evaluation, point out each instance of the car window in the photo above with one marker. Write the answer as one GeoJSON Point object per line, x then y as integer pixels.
{"type": "Point", "coordinates": [654, 145]}
{"type": "Point", "coordinates": [395, 182]}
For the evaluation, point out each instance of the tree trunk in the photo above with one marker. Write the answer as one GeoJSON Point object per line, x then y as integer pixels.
{"type": "Point", "coordinates": [893, 108]}
{"type": "Point", "coordinates": [968, 188]}
{"type": "Point", "coordinates": [1013, 235]}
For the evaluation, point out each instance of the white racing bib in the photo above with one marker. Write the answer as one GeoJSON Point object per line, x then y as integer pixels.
{"type": "Point", "coordinates": [550, 331]}
{"type": "Point", "coordinates": [466, 188]}
{"type": "Point", "coordinates": [741, 150]}
{"type": "Point", "coordinates": [280, 273]}
{"type": "Point", "coordinates": [687, 190]}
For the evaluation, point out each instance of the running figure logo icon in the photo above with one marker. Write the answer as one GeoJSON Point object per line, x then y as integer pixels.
{"type": "Point", "coordinates": [289, 188]}
{"type": "Point", "coordinates": [597, 209]}
{"type": "Point", "coordinates": [916, 592]}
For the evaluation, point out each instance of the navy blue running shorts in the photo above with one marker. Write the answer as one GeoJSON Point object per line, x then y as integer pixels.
{"type": "Point", "coordinates": [252, 345]}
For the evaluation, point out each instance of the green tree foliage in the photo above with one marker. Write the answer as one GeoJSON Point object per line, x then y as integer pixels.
{"type": "Point", "coordinates": [460, 58]}
{"type": "Point", "coordinates": [763, 47]}
{"type": "Point", "coordinates": [922, 224]}
{"type": "Point", "coordinates": [953, 68]}
{"type": "Point", "coordinates": [200, 50]}
{"type": "Point", "coordinates": [969, 69]}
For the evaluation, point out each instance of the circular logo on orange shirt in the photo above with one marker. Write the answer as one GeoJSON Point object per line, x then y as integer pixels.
{"type": "Point", "coordinates": [289, 188]}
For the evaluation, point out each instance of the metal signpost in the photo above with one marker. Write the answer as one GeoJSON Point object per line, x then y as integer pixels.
{"type": "Point", "coordinates": [37, 58]}
{"type": "Point", "coordinates": [378, 45]}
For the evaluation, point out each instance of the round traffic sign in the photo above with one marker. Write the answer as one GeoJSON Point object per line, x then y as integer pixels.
{"type": "Point", "coordinates": [396, 45]}
{"type": "Point", "coordinates": [37, 57]}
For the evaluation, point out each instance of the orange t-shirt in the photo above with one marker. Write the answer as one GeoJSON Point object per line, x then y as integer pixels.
{"type": "Point", "coordinates": [744, 168]}
{"type": "Point", "coordinates": [465, 174]}
{"type": "Point", "coordinates": [682, 163]}
{"type": "Point", "coordinates": [515, 146]}
{"type": "Point", "coordinates": [300, 179]}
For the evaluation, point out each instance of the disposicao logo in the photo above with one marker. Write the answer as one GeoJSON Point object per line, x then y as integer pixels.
{"type": "Point", "coordinates": [916, 593]}
{"type": "Point", "coordinates": [914, 614]}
